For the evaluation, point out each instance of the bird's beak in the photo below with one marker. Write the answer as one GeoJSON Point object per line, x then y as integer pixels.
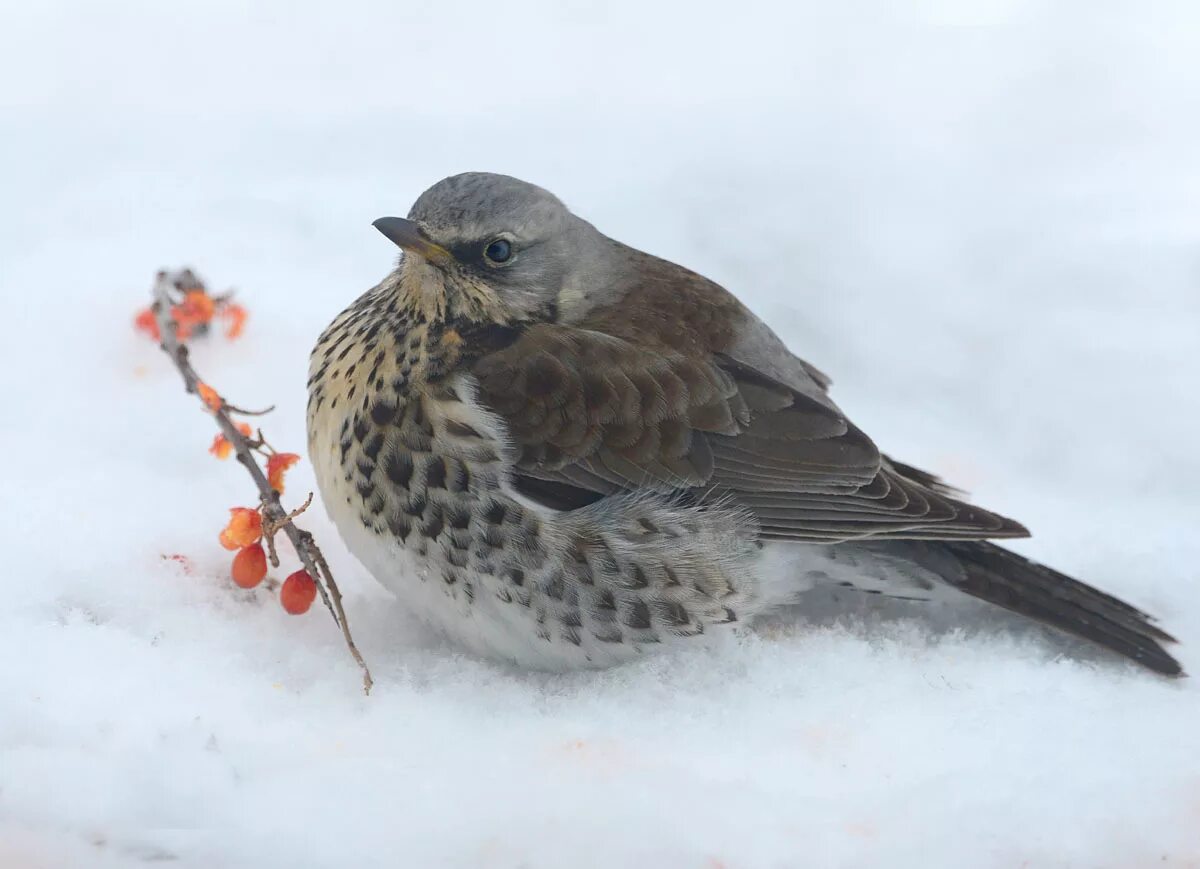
{"type": "Point", "coordinates": [408, 236]}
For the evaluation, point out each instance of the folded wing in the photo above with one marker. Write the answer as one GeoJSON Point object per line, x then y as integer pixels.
{"type": "Point", "coordinates": [592, 415]}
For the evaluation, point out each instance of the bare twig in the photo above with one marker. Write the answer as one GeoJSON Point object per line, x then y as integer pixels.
{"type": "Point", "coordinates": [234, 409]}
{"type": "Point", "coordinates": [271, 528]}
{"type": "Point", "coordinates": [277, 518]}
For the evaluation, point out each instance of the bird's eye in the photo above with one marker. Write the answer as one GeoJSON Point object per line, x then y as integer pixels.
{"type": "Point", "coordinates": [498, 251]}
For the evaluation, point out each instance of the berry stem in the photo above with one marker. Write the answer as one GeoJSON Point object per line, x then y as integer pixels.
{"type": "Point", "coordinates": [277, 518]}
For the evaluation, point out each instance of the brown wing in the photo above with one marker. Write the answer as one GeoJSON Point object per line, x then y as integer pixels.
{"type": "Point", "coordinates": [593, 415]}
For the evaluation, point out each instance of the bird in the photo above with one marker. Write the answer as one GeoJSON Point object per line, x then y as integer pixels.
{"type": "Point", "coordinates": [562, 452]}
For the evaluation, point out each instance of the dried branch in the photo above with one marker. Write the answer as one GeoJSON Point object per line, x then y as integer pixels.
{"type": "Point", "coordinates": [277, 518]}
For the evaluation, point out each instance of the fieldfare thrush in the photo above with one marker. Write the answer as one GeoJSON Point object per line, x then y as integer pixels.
{"type": "Point", "coordinates": [563, 452]}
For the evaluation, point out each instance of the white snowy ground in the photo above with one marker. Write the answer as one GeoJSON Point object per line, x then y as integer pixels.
{"type": "Point", "coordinates": [982, 220]}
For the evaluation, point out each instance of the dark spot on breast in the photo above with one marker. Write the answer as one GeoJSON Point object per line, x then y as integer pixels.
{"type": "Point", "coordinates": [435, 473]}
{"type": "Point", "coordinates": [495, 513]}
{"type": "Point", "coordinates": [433, 525]}
{"type": "Point", "coordinates": [399, 468]}
{"type": "Point", "coordinates": [636, 615]}
{"type": "Point", "coordinates": [517, 577]}
{"type": "Point", "coordinates": [605, 601]}
{"type": "Point", "coordinates": [459, 477]}
{"type": "Point", "coordinates": [400, 527]}
{"type": "Point", "coordinates": [373, 446]}
{"type": "Point", "coordinates": [383, 413]}
{"type": "Point", "coordinates": [672, 612]}
{"type": "Point", "coordinates": [361, 429]}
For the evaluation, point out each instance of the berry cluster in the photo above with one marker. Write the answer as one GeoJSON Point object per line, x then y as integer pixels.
{"type": "Point", "coordinates": [194, 315]}
{"type": "Point", "coordinates": [244, 534]}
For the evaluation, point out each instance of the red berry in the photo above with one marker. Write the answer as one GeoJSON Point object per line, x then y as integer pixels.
{"type": "Point", "coordinates": [298, 592]}
{"type": "Point", "coordinates": [249, 566]}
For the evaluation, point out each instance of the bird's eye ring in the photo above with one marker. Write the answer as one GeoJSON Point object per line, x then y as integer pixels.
{"type": "Point", "coordinates": [498, 251]}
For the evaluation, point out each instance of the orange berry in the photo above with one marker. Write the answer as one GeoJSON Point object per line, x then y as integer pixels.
{"type": "Point", "coordinates": [221, 448]}
{"type": "Point", "coordinates": [196, 309]}
{"type": "Point", "coordinates": [235, 315]}
{"type": "Point", "coordinates": [227, 541]}
{"type": "Point", "coordinates": [277, 465]}
{"type": "Point", "coordinates": [209, 396]}
{"type": "Point", "coordinates": [146, 322]}
{"type": "Point", "coordinates": [244, 528]}
{"type": "Point", "coordinates": [298, 592]}
{"type": "Point", "coordinates": [249, 566]}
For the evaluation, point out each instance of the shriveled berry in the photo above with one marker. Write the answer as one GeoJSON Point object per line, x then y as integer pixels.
{"type": "Point", "coordinates": [298, 592]}
{"type": "Point", "coordinates": [244, 528]}
{"type": "Point", "coordinates": [249, 566]}
{"type": "Point", "coordinates": [277, 466]}
{"type": "Point", "coordinates": [212, 400]}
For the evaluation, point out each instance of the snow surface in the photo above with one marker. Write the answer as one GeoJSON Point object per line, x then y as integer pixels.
{"type": "Point", "coordinates": [981, 219]}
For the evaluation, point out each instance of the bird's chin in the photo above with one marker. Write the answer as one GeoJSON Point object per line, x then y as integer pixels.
{"type": "Point", "coordinates": [422, 286]}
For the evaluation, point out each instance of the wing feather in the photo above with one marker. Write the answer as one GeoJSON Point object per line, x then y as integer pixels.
{"type": "Point", "coordinates": [595, 415]}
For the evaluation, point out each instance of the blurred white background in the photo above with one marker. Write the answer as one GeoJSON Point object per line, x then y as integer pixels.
{"type": "Point", "coordinates": [980, 218]}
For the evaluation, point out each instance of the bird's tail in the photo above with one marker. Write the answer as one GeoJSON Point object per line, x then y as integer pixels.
{"type": "Point", "coordinates": [1011, 581]}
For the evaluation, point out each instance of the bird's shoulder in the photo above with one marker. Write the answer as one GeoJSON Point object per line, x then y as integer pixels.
{"type": "Point", "coordinates": [661, 306]}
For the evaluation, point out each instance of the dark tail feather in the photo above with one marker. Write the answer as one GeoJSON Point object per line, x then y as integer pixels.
{"type": "Point", "coordinates": [1006, 579]}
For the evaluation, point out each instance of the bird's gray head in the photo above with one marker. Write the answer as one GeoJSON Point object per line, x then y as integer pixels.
{"type": "Point", "coordinates": [491, 246]}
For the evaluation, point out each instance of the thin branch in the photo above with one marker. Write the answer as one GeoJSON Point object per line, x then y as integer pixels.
{"type": "Point", "coordinates": [278, 519]}
{"type": "Point", "coordinates": [234, 409]}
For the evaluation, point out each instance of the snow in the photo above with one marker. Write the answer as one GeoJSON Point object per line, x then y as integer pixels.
{"type": "Point", "coordinates": [980, 219]}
